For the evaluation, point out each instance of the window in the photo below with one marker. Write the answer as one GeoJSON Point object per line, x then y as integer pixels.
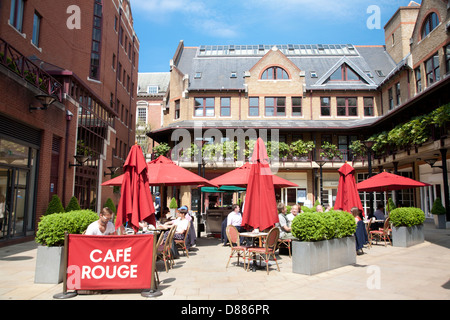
{"type": "Point", "coordinates": [429, 24]}
{"type": "Point", "coordinates": [325, 109]}
{"type": "Point", "coordinates": [225, 107]}
{"type": "Point", "coordinates": [344, 73]}
{"type": "Point", "coordinates": [177, 109]}
{"type": "Point", "coordinates": [447, 58]}
{"type": "Point", "coordinates": [198, 75]}
{"type": "Point", "coordinates": [347, 107]}
{"type": "Point", "coordinates": [391, 99]}
{"type": "Point", "coordinates": [142, 115]}
{"type": "Point", "coordinates": [432, 69]}
{"type": "Point", "coordinates": [204, 107]}
{"type": "Point", "coordinates": [253, 106]}
{"type": "Point", "coordinates": [368, 107]}
{"type": "Point", "coordinates": [296, 106]}
{"type": "Point", "coordinates": [274, 73]}
{"type": "Point", "coordinates": [152, 89]}
{"type": "Point", "coordinates": [16, 14]}
{"type": "Point", "coordinates": [96, 41]}
{"type": "Point", "coordinates": [113, 65]}
{"type": "Point", "coordinates": [36, 28]}
{"type": "Point", "coordinates": [398, 99]}
{"type": "Point", "coordinates": [418, 80]}
{"type": "Point", "coordinates": [275, 106]}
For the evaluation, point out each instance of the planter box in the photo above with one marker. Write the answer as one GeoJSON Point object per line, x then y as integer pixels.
{"type": "Point", "coordinates": [407, 236]}
{"type": "Point", "coordinates": [49, 265]}
{"type": "Point", "coordinates": [440, 221]}
{"type": "Point", "coordinates": [315, 257]}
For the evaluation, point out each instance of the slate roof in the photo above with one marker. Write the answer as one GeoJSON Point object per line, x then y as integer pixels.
{"type": "Point", "coordinates": [160, 79]}
{"type": "Point", "coordinates": [216, 67]}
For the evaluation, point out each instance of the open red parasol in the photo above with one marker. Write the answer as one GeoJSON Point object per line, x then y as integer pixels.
{"type": "Point", "coordinates": [386, 181]}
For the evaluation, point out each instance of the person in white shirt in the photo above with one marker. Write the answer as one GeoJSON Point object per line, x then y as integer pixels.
{"type": "Point", "coordinates": [294, 212]}
{"type": "Point", "coordinates": [181, 222]}
{"type": "Point", "coordinates": [103, 226]}
{"type": "Point", "coordinates": [235, 218]}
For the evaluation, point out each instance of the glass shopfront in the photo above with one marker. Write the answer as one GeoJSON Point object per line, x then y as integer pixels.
{"type": "Point", "coordinates": [18, 166]}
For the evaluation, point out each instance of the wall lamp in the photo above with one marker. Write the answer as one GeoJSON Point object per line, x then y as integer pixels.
{"type": "Point", "coordinates": [45, 100]}
{"type": "Point", "coordinates": [431, 162]}
{"type": "Point", "coordinates": [112, 169]}
{"type": "Point", "coordinates": [80, 161]}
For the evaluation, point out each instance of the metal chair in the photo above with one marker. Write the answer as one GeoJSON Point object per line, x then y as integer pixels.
{"type": "Point", "coordinates": [382, 233]}
{"type": "Point", "coordinates": [268, 250]}
{"type": "Point", "coordinates": [233, 238]}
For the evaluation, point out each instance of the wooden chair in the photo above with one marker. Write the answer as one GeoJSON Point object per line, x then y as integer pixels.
{"type": "Point", "coordinates": [268, 250]}
{"type": "Point", "coordinates": [165, 249]}
{"type": "Point", "coordinates": [182, 243]}
{"type": "Point", "coordinates": [285, 243]}
{"type": "Point", "coordinates": [382, 233]}
{"type": "Point", "coordinates": [233, 239]}
{"type": "Point", "coordinates": [369, 235]}
{"type": "Point", "coordinates": [158, 244]}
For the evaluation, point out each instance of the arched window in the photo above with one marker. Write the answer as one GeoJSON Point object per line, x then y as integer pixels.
{"type": "Point", "coordinates": [429, 24]}
{"type": "Point", "coordinates": [274, 73]}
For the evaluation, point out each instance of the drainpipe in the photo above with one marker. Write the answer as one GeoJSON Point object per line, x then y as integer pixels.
{"type": "Point", "coordinates": [69, 116]}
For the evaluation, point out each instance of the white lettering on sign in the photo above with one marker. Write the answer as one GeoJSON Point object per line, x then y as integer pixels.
{"type": "Point", "coordinates": [110, 256]}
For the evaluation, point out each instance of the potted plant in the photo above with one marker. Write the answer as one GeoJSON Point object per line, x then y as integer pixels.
{"type": "Point", "coordinates": [330, 151]}
{"type": "Point", "coordinates": [73, 205]}
{"type": "Point", "coordinates": [161, 149]}
{"type": "Point", "coordinates": [325, 241]}
{"type": "Point", "coordinates": [439, 214]}
{"type": "Point", "coordinates": [173, 207]}
{"type": "Point", "coordinates": [54, 206]}
{"type": "Point", "coordinates": [407, 226]}
{"type": "Point", "coordinates": [301, 148]}
{"type": "Point", "coordinates": [50, 237]}
{"type": "Point", "coordinates": [110, 204]}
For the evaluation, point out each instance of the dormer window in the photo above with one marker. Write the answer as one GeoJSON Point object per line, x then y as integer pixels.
{"type": "Point", "coordinates": [429, 24]}
{"type": "Point", "coordinates": [274, 73]}
{"type": "Point", "coordinates": [198, 75]}
{"type": "Point", "coordinates": [344, 73]}
{"type": "Point", "coordinates": [152, 89]}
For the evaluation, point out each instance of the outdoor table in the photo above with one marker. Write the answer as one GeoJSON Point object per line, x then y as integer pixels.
{"type": "Point", "coordinates": [253, 236]}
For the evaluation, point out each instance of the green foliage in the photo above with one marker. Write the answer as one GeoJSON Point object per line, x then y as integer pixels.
{"type": "Point", "coordinates": [317, 226]}
{"type": "Point", "coordinates": [73, 204]}
{"type": "Point", "coordinates": [54, 206]}
{"type": "Point", "coordinates": [307, 209]}
{"type": "Point", "coordinates": [358, 148]}
{"type": "Point", "coordinates": [390, 205]}
{"type": "Point", "coordinates": [330, 151]}
{"type": "Point", "coordinates": [161, 149]}
{"type": "Point", "coordinates": [316, 203]}
{"type": "Point", "coordinates": [51, 228]}
{"type": "Point", "coordinates": [110, 204]}
{"type": "Point", "coordinates": [302, 148]}
{"type": "Point", "coordinates": [407, 217]}
{"type": "Point", "coordinates": [173, 204]}
{"type": "Point", "coordinates": [438, 208]}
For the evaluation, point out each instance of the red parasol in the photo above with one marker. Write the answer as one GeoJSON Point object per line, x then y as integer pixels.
{"type": "Point", "coordinates": [135, 203]}
{"type": "Point", "coordinates": [239, 177]}
{"type": "Point", "coordinates": [260, 209]}
{"type": "Point", "coordinates": [347, 195]}
{"type": "Point", "coordinates": [163, 171]}
{"type": "Point", "coordinates": [386, 181]}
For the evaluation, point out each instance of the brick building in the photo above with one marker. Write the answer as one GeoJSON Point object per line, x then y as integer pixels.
{"type": "Point", "coordinates": [85, 56]}
{"type": "Point", "coordinates": [332, 96]}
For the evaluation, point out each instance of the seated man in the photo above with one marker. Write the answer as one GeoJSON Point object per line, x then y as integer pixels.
{"type": "Point", "coordinates": [294, 212]}
{"type": "Point", "coordinates": [283, 225]}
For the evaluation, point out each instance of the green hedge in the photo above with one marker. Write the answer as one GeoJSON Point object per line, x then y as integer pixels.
{"type": "Point", "coordinates": [406, 217]}
{"type": "Point", "coordinates": [317, 226]}
{"type": "Point", "coordinates": [51, 228]}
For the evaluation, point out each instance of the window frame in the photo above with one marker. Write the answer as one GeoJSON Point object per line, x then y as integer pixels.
{"type": "Point", "coordinates": [369, 110]}
{"type": "Point", "coordinates": [177, 109]}
{"type": "Point", "coordinates": [346, 107]}
{"type": "Point", "coordinates": [271, 73]}
{"type": "Point", "coordinates": [142, 111]}
{"type": "Point", "coordinates": [325, 107]}
{"type": "Point", "coordinates": [16, 14]}
{"type": "Point", "coordinates": [36, 29]}
{"type": "Point", "coordinates": [253, 107]}
{"type": "Point", "coordinates": [96, 42]}
{"type": "Point", "coordinates": [435, 71]}
{"type": "Point", "coordinates": [275, 106]}
{"type": "Point", "coordinates": [224, 107]}
{"type": "Point", "coordinates": [204, 107]}
{"type": "Point", "coordinates": [447, 57]}
{"type": "Point", "coordinates": [418, 75]}
{"type": "Point", "coordinates": [390, 98]}
{"type": "Point", "coordinates": [344, 74]}
{"type": "Point", "coordinates": [429, 22]}
{"type": "Point", "coordinates": [398, 98]}
{"type": "Point", "coordinates": [294, 113]}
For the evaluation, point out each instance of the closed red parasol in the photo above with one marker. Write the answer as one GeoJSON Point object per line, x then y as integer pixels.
{"type": "Point", "coordinates": [260, 208]}
{"type": "Point", "coordinates": [136, 202]}
{"type": "Point", "coordinates": [347, 195]}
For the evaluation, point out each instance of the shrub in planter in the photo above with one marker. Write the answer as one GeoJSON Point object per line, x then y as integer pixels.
{"type": "Point", "coordinates": [54, 206]}
{"type": "Point", "coordinates": [110, 204]}
{"type": "Point", "coordinates": [406, 217]}
{"type": "Point", "coordinates": [73, 205]}
{"type": "Point", "coordinates": [51, 228]}
{"type": "Point", "coordinates": [439, 212]}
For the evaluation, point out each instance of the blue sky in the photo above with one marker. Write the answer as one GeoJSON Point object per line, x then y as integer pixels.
{"type": "Point", "coordinates": [161, 24]}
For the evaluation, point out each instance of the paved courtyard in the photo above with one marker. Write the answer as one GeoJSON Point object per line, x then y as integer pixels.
{"type": "Point", "coordinates": [418, 272]}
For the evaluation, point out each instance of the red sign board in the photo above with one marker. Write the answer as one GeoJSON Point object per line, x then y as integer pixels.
{"type": "Point", "coordinates": [109, 262]}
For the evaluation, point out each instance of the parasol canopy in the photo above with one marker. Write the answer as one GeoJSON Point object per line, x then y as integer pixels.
{"type": "Point", "coordinates": [386, 181]}
{"type": "Point", "coordinates": [347, 194]}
